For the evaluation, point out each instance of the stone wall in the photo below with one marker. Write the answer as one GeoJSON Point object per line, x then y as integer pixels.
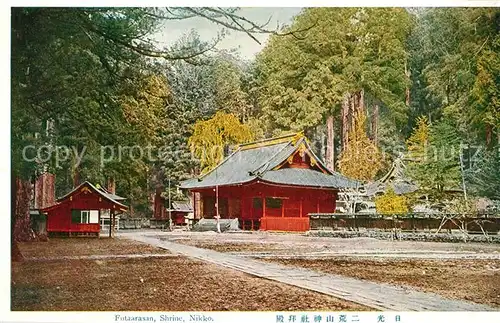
{"type": "Point", "coordinates": [409, 236]}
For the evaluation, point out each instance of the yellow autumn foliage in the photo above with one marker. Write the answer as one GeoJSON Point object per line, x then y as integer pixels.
{"type": "Point", "coordinates": [211, 136]}
{"type": "Point", "coordinates": [361, 159]}
{"type": "Point", "coordinates": [419, 139]}
{"type": "Point", "coordinates": [390, 203]}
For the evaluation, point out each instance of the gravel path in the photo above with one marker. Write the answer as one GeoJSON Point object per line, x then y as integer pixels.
{"type": "Point", "coordinates": [375, 295]}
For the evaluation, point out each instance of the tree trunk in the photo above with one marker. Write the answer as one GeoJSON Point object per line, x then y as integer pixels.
{"type": "Point", "coordinates": [76, 177]}
{"type": "Point", "coordinates": [159, 208]}
{"type": "Point", "coordinates": [361, 101]}
{"type": "Point", "coordinates": [345, 120]}
{"type": "Point", "coordinates": [131, 201]}
{"type": "Point", "coordinates": [489, 134]}
{"type": "Point", "coordinates": [375, 117]}
{"type": "Point", "coordinates": [21, 224]}
{"type": "Point", "coordinates": [330, 143]}
{"type": "Point", "coordinates": [111, 185]}
{"type": "Point", "coordinates": [15, 253]}
{"type": "Point", "coordinates": [45, 191]}
{"type": "Point", "coordinates": [407, 91]}
{"type": "Point", "coordinates": [352, 111]}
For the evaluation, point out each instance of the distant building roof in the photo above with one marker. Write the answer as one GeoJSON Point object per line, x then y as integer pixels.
{"type": "Point", "coordinates": [394, 179]}
{"type": "Point", "coordinates": [111, 195]}
{"type": "Point", "coordinates": [399, 187]}
{"type": "Point", "coordinates": [181, 206]}
{"type": "Point", "coordinates": [262, 160]}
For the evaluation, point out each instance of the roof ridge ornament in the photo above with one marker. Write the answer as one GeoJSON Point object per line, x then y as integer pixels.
{"type": "Point", "coordinates": [299, 135]}
{"type": "Point", "coordinates": [85, 190]}
{"type": "Point", "coordinates": [268, 142]}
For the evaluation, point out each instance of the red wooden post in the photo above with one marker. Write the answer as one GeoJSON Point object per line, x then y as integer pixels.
{"type": "Point", "coordinates": [282, 208]}
{"type": "Point", "coordinates": [242, 205]}
{"type": "Point", "coordinates": [109, 227]}
{"type": "Point", "coordinates": [99, 221]}
{"type": "Point", "coordinates": [300, 214]}
{"type": "Point", "coordinates": [110, 215]}
{"type": "Point", "coordinates": [264, 207]}
{"type": "Point", "coordinates": [251, 206]}
{"type": "Point", "coordinates": [194, 209]}
{"type": "Point", "coordinates": [317, 205]}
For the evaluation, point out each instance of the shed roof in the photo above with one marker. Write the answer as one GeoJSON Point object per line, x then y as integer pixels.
{"type": "Point", "coordinates": [262, 160]}
{"type": "Point", "coordinates": [108, 196]}
{"type": "Point", "coordinates": [181, 206]}
{"type": "Point", "coordinates": [400, 187]}
{"type": "Point", "coordinates": [397, 180]}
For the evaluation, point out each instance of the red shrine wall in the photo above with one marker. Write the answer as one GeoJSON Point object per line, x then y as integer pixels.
{"type": "Point", "coordinates": [59, 217]}
{"type": "Point", "coordinates": [277, 207]}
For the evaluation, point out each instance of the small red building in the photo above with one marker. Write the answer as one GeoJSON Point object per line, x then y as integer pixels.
{"type": "Point", "coordinates": [270, 184]}
{"type": "Point", "coordinates": [180, 211]}
{"type": "Point", "coordinates": [79, 211]}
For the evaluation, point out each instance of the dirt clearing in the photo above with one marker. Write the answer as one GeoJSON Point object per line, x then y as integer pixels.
{"type": "Point", "coordinates": [476, 280]}
{"type": "Point", "coordinates": [154, 284]}
{"type": "Point", "coordinates": [232, 247]}
{"type": "Point", "coordinates": [299, 243]}
{"type": "Point", "coordinates": [56, 247]}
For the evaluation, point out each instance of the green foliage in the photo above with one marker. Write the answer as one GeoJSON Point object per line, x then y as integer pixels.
{"type": "Point", "coordinates": [229, 95]}
{"type": "Point", "coordinates": [455, 68]}
{"type": "Point", "coordinates": [485, 96]}
{"type": "Point", "coordinates": [436, 166]}
{"type": "Point", "coordinates": [198, 92]}
{"type": "Point", "coordinates": [304, 78]}
{"type": "Point", "coordinates": [80, 78]}
{"type": "Point", "coordinates": [391, 203]}
{"type": "Point", "coordinates": [84, 72]}
{"type": "Point", "coordinates": [483, 178]}
{"type": "Point", "coordinates": [459, 205]}
{"type": "Point", "coordinates": [361, 159]}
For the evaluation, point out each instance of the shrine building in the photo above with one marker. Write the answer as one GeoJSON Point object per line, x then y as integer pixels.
{"type": "Point", "coordinates": [271, 184]}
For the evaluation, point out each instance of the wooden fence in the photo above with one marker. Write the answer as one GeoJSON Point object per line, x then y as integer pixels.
{"type": "Point", "coordinates": [472, 223]}
{"type": "Point", "coordinates": [139, 223]}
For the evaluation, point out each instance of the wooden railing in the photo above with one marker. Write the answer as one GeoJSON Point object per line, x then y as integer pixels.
{"type": "Point", "coordinates": [284, 224]}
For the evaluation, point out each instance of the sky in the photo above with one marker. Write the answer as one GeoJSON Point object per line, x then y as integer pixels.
{"type": "Point", "coordinates": [247, 47]}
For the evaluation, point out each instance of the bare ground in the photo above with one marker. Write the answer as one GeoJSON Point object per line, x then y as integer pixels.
{"type": "Point", "coordinates": [300, 243]}
{"type": "Point", "coordinates": [232, 247]}
{"type": "Point", "coordinates": [475, 280]}
{"type": "Point", "coordinates": [85, 247]}
{"type": "Point", "coordinates": [155, 284]}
